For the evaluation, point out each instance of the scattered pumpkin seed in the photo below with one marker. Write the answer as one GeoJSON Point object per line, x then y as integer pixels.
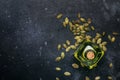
{"type": "Point", "coordinates": [110, 65]}
{"type": "Point", "coordinates": [99, 41]}
{"type": "Point", "coordinates": [62, 55]}
{"type": "Point", "coordinates": [64, 45]}
{"type": "Point", "coordinates": [104, 43]}
{"type": "Point", "coordinates": [109, 77]}
{"type": "Point", "coordinates": [113, 39]}
{"type": "Point", "coordinates": [115, 33]}
{"type": "Point", "coordinates": [64, 24]}
{"type": "Point", "coordinates": [67, 73]}
{"type": "Point", "coordinates": [66, 20]}
{"type": "Point", "coordinates": [97, 78]}
{"type": "Point", "coordinates": [92, 27]}
{"type": "Point", "coordinates": [58, 59]}
{"type": "Point", "coordinates": [87, 78]}
{"type": "Point", "coordinates": [78, 15]}
{"type": "Point", "coordinates": [103, 33]}
{"type": "Point", "coordinates": [109, 37]}
{"type": "Point", "coordinates": [68, 49]}
{"type": "Point", "coordinates": [59, 16]}
{"type": "Point", "coordinates": [104, 48]}
{"type": "Point", "coordinates": [59, 46]}
{"type": "Point", "coordinates": [67, 42]}
{"type": "Point", "coordinates": [73, 46]}
{"type": "Point", "coordinates": [74, 65]}
{"type": "Point", "coordinates": [57, 78]}
{"type": "Point", "coordinates": [82, 20]}
{"type": "Point", "coordinates": [58, 69]}
{"type": "Point", "coordinates": [89, 20]}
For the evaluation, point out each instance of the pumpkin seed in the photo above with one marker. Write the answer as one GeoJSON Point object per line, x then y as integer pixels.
{"type": "Point", "coordinates": [64, 24]}
{"type": "Point", "coordinates": [99, 41]}
{"type": "Point", "coordinates": [66, 20]}
{"type": "Point", "coordinates": [59, 16]}
{"type": "Point", "coordinates": [115, 33]}
{"type": "Point", "coordinates": [73, 47]}
{"type": "Point", "coordinates": [87, 78]}
{"type": "Point", "coordinates": [67, 73]}
{"type": "Point", "coordinates": [57, 78]}
{"type": "Point", "coordinates": [62, 55]}
{"type": "Point", "coordinates": [68, 49]}
{"type": "Point", "coordinates": [82, 20]}
{"type": "Point", "coordinates": [92, 27]}
{"type": "Point", "coordinates": [67, 42]}
{"type": "Point", "coordinates": [104, 48]}
{"type": "Point", "coordinates": [97, 78]}
{"type": "Point", "coordinates": [59, 46]}
{"type": "Point", "coordinates": [58, 69]}
{"type": "Point", "coordinates": [74, 65]}
{"type": "Point", "coordinates": [104, 43]}
{"type": "Point", "coordinates": [113, 39]}
{"type": "Point", "coordinates": [64, 45]}
{"type": "Point", "coordinates": [103, 33]}
{"type": "Point", "coordinates": [109, 78]}
{"type": "Point", "coordinates": [78, 15]}
{"type": "Point", "coordinates": [110, 65]}
{"type": "Point", "coordinates": [86, 24]}
{"type": "Point", "coordinates": [58, 59]}
{"type": "Point", "coordinates": [93, 40]}
{"type": "Point", "coordinates": [109, 37]}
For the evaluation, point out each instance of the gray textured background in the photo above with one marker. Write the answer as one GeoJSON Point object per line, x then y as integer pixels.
{"type": "Point", "coordinates": [29, 34]}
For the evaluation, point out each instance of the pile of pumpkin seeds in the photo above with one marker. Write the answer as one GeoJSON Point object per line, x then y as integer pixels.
{"type": "Point", "coordinates": [80, 29]}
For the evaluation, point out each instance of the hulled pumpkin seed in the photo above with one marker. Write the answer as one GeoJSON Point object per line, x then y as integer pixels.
{"type": "Point", "coordinates": [64, 24]}
{"type": "Point", "coordinates": [99, 41]}
{"type": "Point", "coordinates": [59, 16]}
{"type": "Point", "coordinates": [66, 20]}
{"type": "Point", "coordinates": [87, 78]}
{"type": "Point", "coordinates": [110, 65]}
{"type": "Point", "coordinates": [67, 73]}
{"type": "Point", "coordinates": [62, 55]}
{"type": "Point", "coordinates": [104, 48]}
{"type": "Point", "coordinates": [74, 65]}
{"type": "Point", "coordinates": [82, 20]}
{"type": "Point", "coordinates": [73, 47]}
{"type": "Point", "coordinates": [113, 39]}
{"type": "Point", "coordinates": [64, 45]}
{"type": "Point", "coordinates": [104, 43]}
{"type": "Point", "coordinates": [97, 78]}
{"type": "Point", "coordinates": [92, 27]}
{"type": "Point", "coordinates": [78, 15]}
{"type": "Point", "coordinates": [109, 77]}
{"type": "Point", "coordinates": [57, 78]}
{"type": "Point", "coordinates": [115, 33]}
{"type": "Point", "coordinates": [58, 69]}
{"type": "Point", "coordinates": [67, 42]}
{"type": "Point", "coordinates": [59, 46]}
{"type": "Point", "coordinates": [68, 49]}
{"type": "Point", "coordinates": [58, 59]}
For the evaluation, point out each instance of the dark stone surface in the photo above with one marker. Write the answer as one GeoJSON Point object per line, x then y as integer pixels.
{"type": "Point", "coordinates": [29, 34]}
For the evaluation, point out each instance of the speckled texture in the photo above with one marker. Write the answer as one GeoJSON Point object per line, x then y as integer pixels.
{"type": "Point", "coordinates": [29, 34]}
